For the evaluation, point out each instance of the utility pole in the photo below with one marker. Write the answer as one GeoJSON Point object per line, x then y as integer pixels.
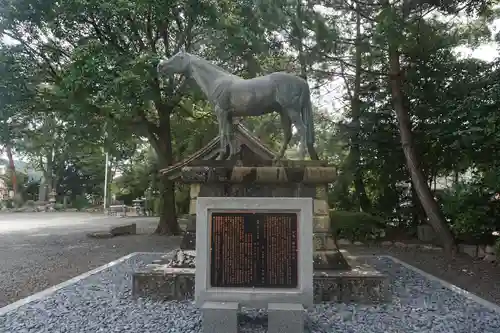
{"type": "Point", "coordinates": [106, 164]}
{"type": "Point", "coordinates": [106, 180]}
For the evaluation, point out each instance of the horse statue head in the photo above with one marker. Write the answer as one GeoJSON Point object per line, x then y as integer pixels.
{"type": "Point", "coordinates": [178, 63]}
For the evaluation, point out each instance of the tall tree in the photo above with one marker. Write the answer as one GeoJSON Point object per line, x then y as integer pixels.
{"type": "Point", "coordinates": [18, 79]}
{"type": "Point", "coordinates": [103, 57]}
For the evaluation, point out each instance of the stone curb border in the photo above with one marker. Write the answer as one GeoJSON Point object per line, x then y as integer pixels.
{"type": "Point", "coordinates": [452, 287]}
{"type": "Point", "coordinates": [47, 292]}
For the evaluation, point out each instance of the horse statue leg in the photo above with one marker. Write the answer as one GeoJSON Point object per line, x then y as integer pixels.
{"type": "Point", "coordinates": [296, 119]}
{"type": "Point", "coordinates": [221, 119]}
{"type": "Point", "coordinates": [229, 130]}
{"type": "Point", "coordinates": [286, 124]}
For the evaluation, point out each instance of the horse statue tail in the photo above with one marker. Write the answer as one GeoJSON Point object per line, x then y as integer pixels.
{"type": "Point", "coordinates": [307, 118]}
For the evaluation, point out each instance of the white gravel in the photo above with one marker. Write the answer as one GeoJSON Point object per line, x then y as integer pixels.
{"type": "Point", "coordinates": [103, 303]}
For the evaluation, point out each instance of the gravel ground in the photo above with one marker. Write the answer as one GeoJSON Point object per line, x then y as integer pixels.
{"type": "Point", "coordinates": [30, 263]}
{"type": "Point", "coordinates": [476, 276]}
{"type": "Point", "coordinates": [103, 303]}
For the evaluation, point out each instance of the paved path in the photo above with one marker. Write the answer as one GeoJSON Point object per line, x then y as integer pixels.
{"type": "Point", "coordinates": [60, 223]}
{"type": "Point", "coordinates": [38, 250]}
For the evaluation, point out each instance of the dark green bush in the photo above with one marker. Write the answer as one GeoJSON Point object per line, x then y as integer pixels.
{"type": "Point", "coordinates": [472, 211]}
{"type": "Point", "coordinates": [356, 226]}
{"type": "Point", "coordinates": [9, 203]}
{"type": "Point", "coordinates": [29, 203]}
{"type": "Point", "coordinates": [58, 206]}
{"type": "Point", "coordinates": [80, 202]}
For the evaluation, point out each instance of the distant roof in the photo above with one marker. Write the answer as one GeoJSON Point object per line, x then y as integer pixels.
{"type": "Point", "coordinates": [209, 151]}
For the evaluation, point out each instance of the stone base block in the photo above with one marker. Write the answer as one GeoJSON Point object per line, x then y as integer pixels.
{"type": "Point", "coordinates": [361, 284]}
{"type": "Point", "coordinates": [350, 287]}
{"type": "Point", "coordinates": [285, 318]}
{"type": "Point", "coordinates": [168, 284]}
{"type": "Point", "coordinates": [330, 260]}
{"type": "Point", "coordinates": [220, 317]}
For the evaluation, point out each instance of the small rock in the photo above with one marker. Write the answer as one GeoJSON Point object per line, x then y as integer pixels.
{"type": "Point", "coordinates": [154, 266]}
{"type": "Point", "coordinates": [127, 229]}
{"type": "Point", "coordinates": [100, 235]}
{"type": "Point", "coordinates": [489, 249]}
{"type": "Point", "coordinates": [386, 243]}
{"type": "Point", "coordinates": [429, 247]}
{"type": "Point", "coordinates": [358, 243]}
{"type": "Point", "coordinates": [343, 241]}
{"type": "Point", "coordinates": [490, 258]}
{"type": "Point", "coordinates": [471, 250]}
{"type": "Point", "coordinates": [480, 252]}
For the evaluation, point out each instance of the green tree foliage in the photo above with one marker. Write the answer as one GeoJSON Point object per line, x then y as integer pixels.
{"type": "Point", "coordinates": [85, 82]}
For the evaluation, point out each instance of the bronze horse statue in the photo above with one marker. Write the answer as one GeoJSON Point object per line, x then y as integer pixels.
{"type": "Point", "coordinates": [233, 96]}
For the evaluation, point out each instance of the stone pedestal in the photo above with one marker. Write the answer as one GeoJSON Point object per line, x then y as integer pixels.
{"type": "Point", "coordinates": [292, 179]}
{"type": "Point", "coordinates": [337, 277]}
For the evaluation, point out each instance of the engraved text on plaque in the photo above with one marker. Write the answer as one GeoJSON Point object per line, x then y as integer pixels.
{"type": "Point", "coordinates": [251, 249]}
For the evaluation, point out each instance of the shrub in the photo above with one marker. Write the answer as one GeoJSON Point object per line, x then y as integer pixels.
{"type": "Point", "coordinates": [58, 206]}
{"type": "Point", "coordinates": [497, 247]}
{"type": "Point", "coordinates": [30, 203]}
{"type": "Point", "coordinates": [80, 202]}
{"type": "Point", "coordinates": [18, 200]}
{"type": "Point", "coordinates": [472, 212]}
{"type": "Point", "coordinates": [356, 226]}
{"type": "Point", "coordinates": [9, 203]}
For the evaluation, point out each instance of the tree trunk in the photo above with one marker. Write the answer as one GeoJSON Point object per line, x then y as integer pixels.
{"type": "Point", "coordinates": [12, 168]}
{"type": "Point", "coordinates": [359, 186]}
{"type": "Point", "coordinates": [168, 224]}
{"type": "Point", "coordinates": [299, 39]}
{"type": "Point", "coordinates": [168, 221]}
{"type": "Point", "coordinates": [430, 206]}
{"type": "Point", "coordinates": [49, 177]}
{"type": "Point", "coordinates": [418, 211]}
{"type": "Point", "coordinates": [364, 202]}
{"type": "Point", "coordinates": [42, 191]}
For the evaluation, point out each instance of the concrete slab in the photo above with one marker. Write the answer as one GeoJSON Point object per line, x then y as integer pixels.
{"type": "Point", "coordinates": [285, 318]}
{"type": "Point", "coordinates": [220, 317]}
